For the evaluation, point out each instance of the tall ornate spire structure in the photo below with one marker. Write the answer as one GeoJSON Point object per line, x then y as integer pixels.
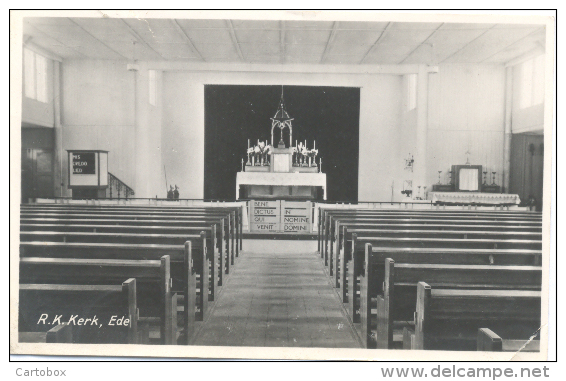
{"type": "Point", "coordinates": [281, 119]}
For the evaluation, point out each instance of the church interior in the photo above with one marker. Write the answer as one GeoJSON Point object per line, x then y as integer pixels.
{"type": "Point", "coordinates": [299, 170]}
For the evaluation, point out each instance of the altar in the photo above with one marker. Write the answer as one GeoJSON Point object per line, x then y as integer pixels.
{"type": "Point", "coordinates": [474, 198]}
{"type": "Point", "coordinates": [280, 185]}
{"type": "Point", "coordinates": [283, 171]}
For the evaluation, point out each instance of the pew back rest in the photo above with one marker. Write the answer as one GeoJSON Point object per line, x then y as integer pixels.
{"type": "Point", "coordinates": [448, 317]}
{"type": "Point", "coordinates": [97, 303]}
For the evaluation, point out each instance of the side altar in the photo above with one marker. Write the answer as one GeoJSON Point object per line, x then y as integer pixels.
{"type": "Point", "coordinates": [283, 171]}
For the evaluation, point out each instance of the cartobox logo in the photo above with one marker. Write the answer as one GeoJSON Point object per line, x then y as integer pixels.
{"type": "Point", "coordinates": [40, 372]}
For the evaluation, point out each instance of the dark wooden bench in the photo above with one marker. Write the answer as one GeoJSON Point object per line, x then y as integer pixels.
{"type": "Point", "coordinates": [489, 341]}
{"type": "Point", "coordinates": [449, 319]}
{"type": "Point", "coordinates": [234, 212]}
{"type": "Point", "coordinates": [454, 256]}
{"type": "Point", "coordinates": [358, 238]}
{"type": "Point", "coordinates": [227, 219]}
{"type": "Point", "coordinates": [48, 301]}
{"type": "Point", "coordinates": [332, 246]}
{"type": "Point", "coordinates": [394, 298]}
{"type": "Point", "coordinates": [325, 215]}
{"type": "Point", "coordinates": [153, 283]}
{"type": "Point", "coordinates": [434, 222]}
{"type": "Point", "coordinates": [131, 234]}
{"type": "Point", "coordinates": [357, 251]}
{"type": "Point", "coordinates": [186, 262]}
{"type": "Point", "coordinates": [223, 230]}
{"type": "Point", "coordinates": [217, 261]}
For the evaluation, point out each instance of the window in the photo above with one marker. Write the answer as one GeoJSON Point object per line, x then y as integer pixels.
{"type": "Point", "coordinates": [152, 87]}
{"type": "Point", "coordinates": [35, 76]}
{"type": "Point", "coordinates": [411, 92]}
{"type": "Point", "coordinates": [532, 82]}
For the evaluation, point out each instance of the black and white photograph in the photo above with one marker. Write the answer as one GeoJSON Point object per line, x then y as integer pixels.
{"type": "Point", "coordinates": [281, 184]}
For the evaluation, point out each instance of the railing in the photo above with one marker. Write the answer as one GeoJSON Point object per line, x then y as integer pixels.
{"type": "Point", "coordinates": [117, 188]}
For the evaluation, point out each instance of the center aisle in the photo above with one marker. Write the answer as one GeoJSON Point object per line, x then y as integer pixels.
{"type": "Point", "coordinates": [282, 300]}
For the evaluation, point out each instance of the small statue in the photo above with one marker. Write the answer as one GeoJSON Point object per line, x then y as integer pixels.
{"type": "Point", "coordinates": [176, 192]}
{"type": "Point", "coordinates": [170, 193]}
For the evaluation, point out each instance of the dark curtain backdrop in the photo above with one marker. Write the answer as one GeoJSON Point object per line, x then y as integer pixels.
{"type": "Point", "coordinates": [234, 114]}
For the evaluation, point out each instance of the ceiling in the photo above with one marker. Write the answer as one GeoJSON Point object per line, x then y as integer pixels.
{"type": "Point", "coordinates": [275, 41]}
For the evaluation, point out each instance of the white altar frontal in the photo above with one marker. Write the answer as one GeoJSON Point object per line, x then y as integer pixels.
{"type": "Point", "coordinates": [283, 172]}
{"type": "Point", "coordinates": [281, 185]}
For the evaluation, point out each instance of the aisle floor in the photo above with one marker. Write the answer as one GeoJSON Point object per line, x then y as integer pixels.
{"type": "Point", "coordinates": [282, 300]}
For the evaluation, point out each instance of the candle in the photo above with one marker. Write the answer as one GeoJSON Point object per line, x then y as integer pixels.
{"type": "Point", "coordinates": [305, 143]}
{"type": "Point", "coordinates": [314, 144]}
{"type": "Point", "coordinates": [248, 143]}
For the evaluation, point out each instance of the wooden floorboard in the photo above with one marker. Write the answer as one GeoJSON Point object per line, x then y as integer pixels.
{"type": "Point", "coordinates": [283, 300]}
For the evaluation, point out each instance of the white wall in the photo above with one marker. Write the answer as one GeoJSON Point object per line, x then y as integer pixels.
{"type": "Point", "coordinates": [98, 112]}
{"type": "Point", "coordinates": [102, 111]}
{"type": "Point", "coordinates": [466, 112]}
{"type": "Point", "coordinates": [183, 124]}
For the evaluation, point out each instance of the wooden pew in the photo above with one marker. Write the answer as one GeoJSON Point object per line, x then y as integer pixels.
{"type": "Point", "coordinates": [227, 219]}
{"type": "Point", "coordinates": [449, 319]}
{"type": "Point", "coordinates": [428, 224]}
{"type": "Point", "coordinates": [325, 215]}
{"type": "Point", "coordinates": [223, 230]}
{"type": "Point", "coordinates": [47, 301]}
{"type": "Point", "coordinates": [234, 213]}
{"type": "Point", "coordinates": [432, 222]}
{"type": "Point", "coordinates": [446, 256]}
{"type": "Point", "coordinates": [186, 262]}
{"type": "Point", "coordinates": [353, 240]}
{"type": "Point", "coordinates": [218, 260]}
{"type": "Point", "coordinates": [153, 283]}
{"type": "Point", "coordinates": [489, 341]}
{"type": "Point", "coordinates": [61, 333]}
{"type": "Point", "coordinates": [357, 246]}
{"type": "Point", "coordinates": [395, 297]}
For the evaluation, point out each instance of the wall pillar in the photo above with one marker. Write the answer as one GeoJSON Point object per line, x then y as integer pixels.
{"type": "Point", "coordinates": [507, 131]}
{"type": "Point", "coordinates": [58, 155]}
{"type": "Point", "coordinates": [419, 177]}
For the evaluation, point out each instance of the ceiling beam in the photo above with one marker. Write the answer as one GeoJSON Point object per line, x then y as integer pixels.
{"type": "Point", "coordinates": [203, 67]}
{"type": "Point", "coordinates": [329, 41]}
{"type": "Point", "coordinates": [187, 39]}
{"type": "Point", "coordinates": [376, 41]}
{"type": "Point", "coordinates": [464, 47]}
{"type": "Point", "coordinates": [53, 38]}
{"type": "Point", "coordinates": [97, 39]}
{"type": "Point", "coordinates": [282, 46]}
{"type": "Point", "coordinates": [423, 43]}
{"type": "Point", "coordinates": [235, 40]}
{"type": "Point", "coordinates": [513, 43]}
{"type": "Point", "coordinates": [139, 39]}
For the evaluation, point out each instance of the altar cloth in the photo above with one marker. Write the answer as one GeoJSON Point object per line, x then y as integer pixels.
{"type": "Point", "coordinates": [280, 179]}
{"type": "Point", "coordinates": [474, 198]}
